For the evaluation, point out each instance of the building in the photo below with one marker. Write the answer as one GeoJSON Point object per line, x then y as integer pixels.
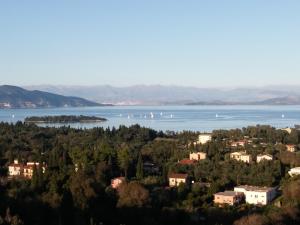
{"type": "Point", "coordinates": [291, 148]}
{"type": "Point", "coordinates": [21, 170]}
{"type": "Point", "coordinates": [204, 138]}
{"type": "Point", "coordinates": [228, 197]}
{"type": "Point", "coordinates": [176, 179]}
{"type": "Point", "coordinates": [30, 167]}
{"type": "Point", "coordinates": [197, 156]}
{"type": "Point", "coordinates": [116, 182]}
{"type": "Point", "coordinates": [241, 156]}
{"type": "Point", "coordinates": [187, 162]}
{"type": "Point", "coordinates": [262, 157]}
{"type": "Point", "coordinates": [287, 129]}
{"type": "Point", "coordinates": [257, 195]}
{"type": "Point", "coordinates": [15, 169]}
{"type": "Point", "coordinates": [294, 171]}
{"type": "Point", "coordinates": [241, 143]}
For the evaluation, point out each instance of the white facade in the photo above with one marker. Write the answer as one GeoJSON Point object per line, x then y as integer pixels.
{"type": "Point", "coordinates": [291, 148]}
{"type": "Point", "coordinates": [14, 170]}
{"type": "Point", "coordinates": [257, 195]}
{"type": "Point", "coordinates": [177, 179]}
{"type": "Point", "coordinates": [197, 156]}
{"type": "Point", "coordinates": [294, 171]}
{"type": "Point", "coordinates": [241, 156]}
{"type": "Point", "coordinates": [263, 157]}
{"type": "Point", "coordinates": [204, 138]}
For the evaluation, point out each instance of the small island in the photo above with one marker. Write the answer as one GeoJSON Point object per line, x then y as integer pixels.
{"type": "Point", "coordinates": [64, 119]}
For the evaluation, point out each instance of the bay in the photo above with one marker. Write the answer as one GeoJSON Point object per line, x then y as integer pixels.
{"type": "Point", "coordinates": [174, 118]}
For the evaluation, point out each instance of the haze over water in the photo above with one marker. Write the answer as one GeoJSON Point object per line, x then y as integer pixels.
{"type": "Point", "coordinates": [175, 118]}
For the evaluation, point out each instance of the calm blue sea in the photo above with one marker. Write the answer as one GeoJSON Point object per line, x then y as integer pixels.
{"type": "Point", "coordinates": [176, 118]}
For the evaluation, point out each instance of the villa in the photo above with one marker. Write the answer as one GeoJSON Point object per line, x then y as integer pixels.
{"type": "Point", "coordinates": [263, 157]}
{"type": "Point", "coordinates": [291, 148]}
{"type": "Point", "coordinates": [241, 156]}
{"type": "Point", "coordinates": [294, 171]}
{"type": "Point", "coordinates": [257, 195]}
{"type": "Point", "coordinates": [197, 156]}
{"type": "Point", "coordinates": [228, 197]}
{"type": "Point", "coordinates": [176, 179]}
{"type": "Point", "coordinates": [241, 143]}
{"type": "Point", "coordinates": [203, 138]}
{"type": "Point", "coordinates": [17, 169]}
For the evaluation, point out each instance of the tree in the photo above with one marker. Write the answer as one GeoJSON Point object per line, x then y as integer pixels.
{"type": "Point", "coordinates": [132, 195]}
{"type": "Point", "coordinates": [124, 159]}
{"type": "Point", "coordinates": [140, 168]}
{"type": "Point", "coordinates": [252, 219]}
{"type": "Point", "coordinates": [82, 189]}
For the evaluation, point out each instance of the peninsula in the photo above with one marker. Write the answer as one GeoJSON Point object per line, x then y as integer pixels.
{"type": "Point", "coordinates": [64, 119]}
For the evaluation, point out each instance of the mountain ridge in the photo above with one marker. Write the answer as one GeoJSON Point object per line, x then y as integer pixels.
{"type": "Point", "coordinates": [17, 97]}
{"type": "Point", "coordinates": [177, 95]}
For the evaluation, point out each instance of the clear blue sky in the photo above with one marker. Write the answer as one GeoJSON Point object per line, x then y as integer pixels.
{"type": "Point", "coordinates": [124, 42]}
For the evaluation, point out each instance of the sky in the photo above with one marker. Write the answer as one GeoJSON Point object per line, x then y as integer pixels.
{"type": "Point", "coordinates": [168, 42]}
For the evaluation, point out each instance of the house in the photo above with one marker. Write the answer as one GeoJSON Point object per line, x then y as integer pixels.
{"type": "Point", "coordinates": [187, 162]}
{"type": "Point", "coordinates": [25, 171]}
{"type": "Point", "coordinates": [228, 197]}
{"type": "Point", "coordinates": [30, 167]}
{"type": "Point", "coordinates": [116, 182]}
{"type": "Point", "coordinates": [294, 171]}
{"type": "Point", "coordinates": [28, 171]}
{"type": "Point", "coordinates": [203, 138]}
{"type": "Point", "coordinates": [176, 179]}
{"type": "Point", "coordinates": [287, 129]}
{"type": "Point", "coordinates": [262, 157]}
{"type": "Point", "coordinates": [197, 156]}
{"type": "Point", "coordinates": [241, 156]}
{"type": "Point", "coordinates": [15, 169]}
{"type": "Point", "coordinates": [291, 148]}
{"type": "Point", "coordinates": [257, 195]}
{"type": "Point", "coordinates": [241, 143]}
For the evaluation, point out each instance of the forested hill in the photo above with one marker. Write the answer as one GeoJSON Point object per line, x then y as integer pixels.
{"type": "Point", "coordinates": [16, 97]}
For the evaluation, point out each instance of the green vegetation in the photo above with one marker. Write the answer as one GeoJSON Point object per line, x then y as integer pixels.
{"type": "Point", "coordinates": [75, 189]}
{"type": "Point", "coordinates": [63, 119]}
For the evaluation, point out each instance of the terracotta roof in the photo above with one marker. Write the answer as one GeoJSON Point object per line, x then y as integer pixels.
{"type": "Point", "coordinates": [178, 175]}
{"type": "Point", "coordinates": [186, 162]}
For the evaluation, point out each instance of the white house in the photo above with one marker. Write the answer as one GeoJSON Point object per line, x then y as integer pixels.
{"type": "Point", "coordinates": [197, 156]}
{"type": "Point", "coordinates": [204, 138]}
{"type": "Point", "coordinates": [287, 129]}
{"type": "Point", "coordinates": [291, 148]}
{"type": "Point", "coordinates": [25, 171]}
{"type": "Point", "coordinates": [241, 156]}
{"type": "Point", "coordinates": [294, 171]}
{"type": "Point", "coordinates": [257, 195]}
{"type": "Point", "coordinates": [239, 143]}
{"type": "Point", "coordinates": [176, 179]}
{"type": "Point", "coordinates": [262, 157]}
{"type": "Point", "coordinates": [15, 169]}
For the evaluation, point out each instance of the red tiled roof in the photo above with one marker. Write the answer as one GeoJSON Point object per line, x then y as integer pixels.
{"type": "Point", "coordinates": [186, 162]}
{"type": "Point", "coordinates": [178, 175]}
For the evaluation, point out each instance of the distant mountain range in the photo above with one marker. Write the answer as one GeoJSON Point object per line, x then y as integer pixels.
{"type": "Point", "coordinates": [178, 95]}
{"type": "Point", "coordinates": [16, 97]}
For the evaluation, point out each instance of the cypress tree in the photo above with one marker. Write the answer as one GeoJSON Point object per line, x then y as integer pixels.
{"type": "Point", "coordinates": [139, 168]}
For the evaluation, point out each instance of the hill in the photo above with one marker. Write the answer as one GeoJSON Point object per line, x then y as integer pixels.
{"type": "Point", "coordinates": [16, 97]}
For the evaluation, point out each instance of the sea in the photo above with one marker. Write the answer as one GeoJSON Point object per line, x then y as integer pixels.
{"type": "Point", "coordinates": [170, 118]}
